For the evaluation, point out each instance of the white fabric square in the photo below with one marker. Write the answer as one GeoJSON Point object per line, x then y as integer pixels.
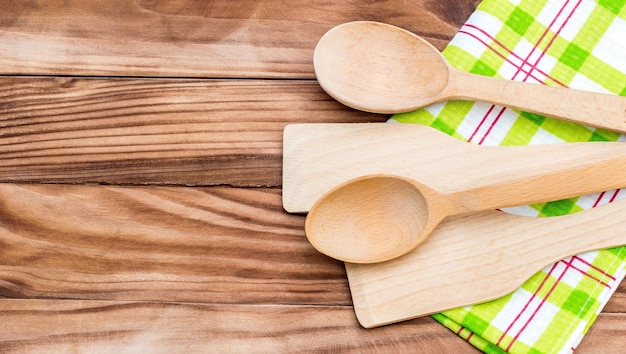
{"type": "Point", "coordinates": [507, 315]}
{"type": "Point", "coordinates": [523, 210]}
{"type": "Point", "coordinates": [479, 110]}
{"type": "Point", "coordinates": [556, 16]}
{"type": "Point", "coordinates": [538, 319]}
{"type": "Point", "coordinates": [572, 271]}
{"type": "Point", "coordinates": [436, 108]}
{"type": "Point", "coordinates": [525, 316]}
{"type": "Point", "coordinates": [544, 137]}
{"type": "Point", "coordinates": [612, 47]}
{"type": "Point", "coordinates": [575, 18]}
{"type": "Point", "coordinates": [499, 126]}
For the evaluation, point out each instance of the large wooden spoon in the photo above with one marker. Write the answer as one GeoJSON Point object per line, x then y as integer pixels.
{"type": "Point", "coordinates": [377, 218]}
{"type": "Point", "coordinates": [381, 68]}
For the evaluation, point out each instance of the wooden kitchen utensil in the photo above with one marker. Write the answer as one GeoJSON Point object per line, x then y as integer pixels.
{"type": "Point", "coordinates": [381, 68]}
{"type": "Point", "coordinates": [377, 219]}
{"type": "Point", "coordinates": [319, 157]}
{"type": "Point", "coordinates": [476, 258]}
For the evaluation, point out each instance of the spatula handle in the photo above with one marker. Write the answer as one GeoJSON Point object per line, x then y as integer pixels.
{"type": "Point", "coordinates": [582, 107]}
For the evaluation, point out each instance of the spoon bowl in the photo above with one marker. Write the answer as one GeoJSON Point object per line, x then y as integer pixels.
{"type": "Point", "coordinates": [375, 215]}
{"type": "Point", "coordinates": [399, 67]}
{"type": "Point", "coordinates": [380, 68]}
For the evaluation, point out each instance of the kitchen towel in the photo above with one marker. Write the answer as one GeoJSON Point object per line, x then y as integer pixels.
{"type": "Point", "coordinates": [570, 43]}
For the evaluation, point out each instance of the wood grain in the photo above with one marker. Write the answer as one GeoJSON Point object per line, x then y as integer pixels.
{"type": "Point", "coordinates": [154, 131]}
{"type": "Point", "coordinates": [606, 335]}
{"type": "Point", "coordinates": [617, 303]}
{"type": "Point", "coordinates": [31, 326]}
{"type": "Point", "coordinates": [192, 268]}
{"type": "Point", "coordinates": [186, 38]}
{"type": "Point", "coordinates": [215, 245]}
{"type": "Point", "coordinates": [99, 327]}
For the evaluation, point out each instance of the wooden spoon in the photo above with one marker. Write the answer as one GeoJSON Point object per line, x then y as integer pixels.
{"type": "Point", "coordinates": [376, 218]}
{"type": "Point", "coordinates": [319, 157]}
{"type": "Point", "coordinates": [381, 68]}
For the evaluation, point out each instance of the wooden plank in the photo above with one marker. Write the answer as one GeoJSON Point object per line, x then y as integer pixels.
{"type": "Point", "coordinates": [102, 326]}
{"type": "Point", "coordinates": [209, 245]}
{"type": "Point", "coordinates": [154, 131]}
{"type": "Point", "coordinates": [606, 335]}
{"type": "Point", "coordinates": [617, 302]}
{"type": "Point", "coordinates": [94, 327]}
{"type": "Point", "coordinates": [186, 38]}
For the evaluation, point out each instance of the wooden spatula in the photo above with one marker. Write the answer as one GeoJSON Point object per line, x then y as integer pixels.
{"type": "Point", "coordinates": [319, 157]}
{"type": "Point", "coordinates": [476, 258]}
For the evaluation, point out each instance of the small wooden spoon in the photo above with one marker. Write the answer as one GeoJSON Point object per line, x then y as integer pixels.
{"type": "Point", "coordinates": [376, 218]}
{"type": "Point", "coordinates": [381, 68]}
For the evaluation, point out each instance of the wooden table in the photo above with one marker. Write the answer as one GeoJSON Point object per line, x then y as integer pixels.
{"type": "Point", "coordinates": [140, 161]}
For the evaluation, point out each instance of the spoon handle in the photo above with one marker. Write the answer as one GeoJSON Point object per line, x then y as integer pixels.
{"type": "Point", "coordinates": [583, 107]}
{"type": "Point", "coordinates": [512, 175]}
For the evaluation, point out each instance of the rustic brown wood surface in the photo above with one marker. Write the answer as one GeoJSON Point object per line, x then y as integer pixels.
{"type": "Point", "coordinates": [140, 164]}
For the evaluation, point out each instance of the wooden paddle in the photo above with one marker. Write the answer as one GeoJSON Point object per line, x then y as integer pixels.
{"type": "Point", "coordinates": [320, 157]}
{"type": "Point", "coordinates": [476, 258]}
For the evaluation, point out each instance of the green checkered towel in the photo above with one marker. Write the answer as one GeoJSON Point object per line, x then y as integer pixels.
{"type": "Point", "coordinates": [572, 43]}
